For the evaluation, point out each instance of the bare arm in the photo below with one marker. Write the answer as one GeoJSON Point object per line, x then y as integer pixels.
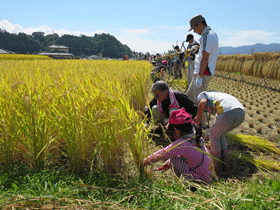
{"type": "Point", "coordinates": [203, 63]}
{"type": "Point", "coordinates": [201, 106]}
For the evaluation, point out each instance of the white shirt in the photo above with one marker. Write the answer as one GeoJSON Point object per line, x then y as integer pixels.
{"type": "Point", "coordinates": [221, 102]}
{"type": "Point", "coordinates": [209, 43]}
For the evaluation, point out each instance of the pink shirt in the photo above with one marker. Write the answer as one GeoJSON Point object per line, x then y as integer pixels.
{"type": "Point", "coordinates": [197, 163]}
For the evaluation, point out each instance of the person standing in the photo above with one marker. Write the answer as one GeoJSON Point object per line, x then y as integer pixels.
{"type": "Point", "coordinates": [205, 60]}
{"type": "Point", "coordinates": [194, 47]}
{"type": "Point", "coordinates": [179, 61]}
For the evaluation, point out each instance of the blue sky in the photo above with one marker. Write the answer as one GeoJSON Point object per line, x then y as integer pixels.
{"type": "Point", "coordinates": [143, 25]}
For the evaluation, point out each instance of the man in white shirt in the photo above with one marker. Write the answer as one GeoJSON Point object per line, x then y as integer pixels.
{"type": "Point", "coordinates": [205, 60]}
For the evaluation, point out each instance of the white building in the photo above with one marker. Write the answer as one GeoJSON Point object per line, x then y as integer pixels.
{"type": "Point", "coordinates": [2, 51]}
{"type": "Point", "coordinates": [58, 52]}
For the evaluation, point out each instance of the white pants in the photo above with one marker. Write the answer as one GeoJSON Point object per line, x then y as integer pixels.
{"type": "Point", "coordinates": [193, 92]}
{"type": "Point", "coordinates": [191, 66]}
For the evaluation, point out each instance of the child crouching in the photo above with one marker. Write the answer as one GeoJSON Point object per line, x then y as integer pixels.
{"type": "Point", "coordinates": [185, 154]}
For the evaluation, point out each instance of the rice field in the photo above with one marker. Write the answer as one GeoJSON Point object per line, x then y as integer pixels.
{"type": "Point", "coordinates": [87, 115]}
{"type": "Point", "coordinates": [23, 57]}
{"type": "Point", "coordinates": [76, 113]}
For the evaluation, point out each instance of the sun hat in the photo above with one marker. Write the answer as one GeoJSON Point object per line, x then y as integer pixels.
{"type": "Point", "coordinates": [179, 116]}
{"type": "Point", "coordinates": [195, 20]}
{"type": "Point", "coordinates": [189, 37]}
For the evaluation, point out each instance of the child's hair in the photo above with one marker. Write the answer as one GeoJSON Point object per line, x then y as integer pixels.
{"type": "Point", "coordinates": [186, 129]}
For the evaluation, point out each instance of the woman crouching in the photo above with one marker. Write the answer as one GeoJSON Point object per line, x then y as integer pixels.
{"type": "Point", "coordinates": [185, 154]}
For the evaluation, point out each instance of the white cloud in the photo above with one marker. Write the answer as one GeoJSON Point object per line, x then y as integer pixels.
{"type": "Point", "coordinates": [60, 32]}
{"type": "Point", "coordinates": [239, 38]}
{"type": "Point", "coordinates": [9, 27]}
{"type": "Point", "coordinates": [159, 39]}
{"type": "Point", "coordinates": [6, 25]}
{"type": "Point", "coordinates": [143, 45]}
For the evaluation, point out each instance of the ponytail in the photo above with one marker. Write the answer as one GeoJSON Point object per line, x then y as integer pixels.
{"type": "Point", "coordinates": [198, 134]}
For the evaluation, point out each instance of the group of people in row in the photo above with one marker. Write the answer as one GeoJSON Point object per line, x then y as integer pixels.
{"type": "Point", "coordinates": [183, 115]}
{"type": "Point", "coordinates": [173, 65]}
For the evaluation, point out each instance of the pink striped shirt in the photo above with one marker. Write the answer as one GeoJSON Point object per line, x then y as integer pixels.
{"type": "Point", "coordinates": [198, 164]}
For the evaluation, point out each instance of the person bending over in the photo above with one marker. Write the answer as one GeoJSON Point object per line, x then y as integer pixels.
{"type": "Point", "coordinates": [158, 72]}
{"type": "Point", "coordinates": [167, 100]}
{"type": "Point", "coordinates": [229, 112]}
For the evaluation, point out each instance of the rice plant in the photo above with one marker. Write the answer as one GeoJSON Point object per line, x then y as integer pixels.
{"type": "Point", "coordinates": [259, 64]}
{"type": "Point", "coordinates": [254, 142]}
{"type": "Point", "coordinates": [260, 163]}
{"type": "Point", "coordinates": [76, 113]}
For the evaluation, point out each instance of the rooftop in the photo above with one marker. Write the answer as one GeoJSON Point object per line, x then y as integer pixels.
{"type": "Point", "coordinates": [6, 52]}
{"type": "Point", "coordinates": [58, 46]}
{"type": "Point", "coordinates": [50, 53]}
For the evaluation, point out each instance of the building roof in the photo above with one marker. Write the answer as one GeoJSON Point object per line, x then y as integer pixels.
{"type": "Point", "coordinates": [56, 54]}
{"type": "Point", "coordinates": [50, 53]}
{"type": "Point", "coordinates": [2, 51]}
{"type": "Point", "coordinates": [58, 46]}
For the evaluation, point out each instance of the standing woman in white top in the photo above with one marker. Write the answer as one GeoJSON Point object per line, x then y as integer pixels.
{"type": "Point", "coordinates": [230, 113]}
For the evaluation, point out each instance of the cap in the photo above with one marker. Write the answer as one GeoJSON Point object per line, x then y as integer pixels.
{"type": "Point", "coordinates": [164, 62]}
{"type": "Point", "coordinates": [195, 20]}
{"type": "Point", "coordinates": [189, 37]}
{"type": "Point", "coordinates": [179, 116]}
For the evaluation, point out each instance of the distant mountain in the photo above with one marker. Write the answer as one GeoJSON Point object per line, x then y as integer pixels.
{"type": "Point", "coordinates": [248, 49]}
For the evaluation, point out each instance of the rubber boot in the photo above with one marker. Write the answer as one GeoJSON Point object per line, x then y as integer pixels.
{"type": "Point", "coordinates": [218, 165]}
{"type": "Point", "coordinates": [226, 160]}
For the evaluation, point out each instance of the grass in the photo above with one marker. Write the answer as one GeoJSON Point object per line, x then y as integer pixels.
{"type": "Point", "coordinates": [21, 188]}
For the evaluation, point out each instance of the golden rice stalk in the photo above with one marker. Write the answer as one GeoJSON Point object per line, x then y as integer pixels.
{"type": "Point", "coordinates": [260, 163]}
{"type": "Point", "coordinates": [254, 142]}
{"type": "Point", "coordinates": [181, 82]}
{"type": "Point", "coordinates": [23, 57]}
